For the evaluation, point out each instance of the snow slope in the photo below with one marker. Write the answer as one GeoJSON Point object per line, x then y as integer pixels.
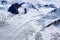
{"type": "Point", "coordinates": [29, 26]}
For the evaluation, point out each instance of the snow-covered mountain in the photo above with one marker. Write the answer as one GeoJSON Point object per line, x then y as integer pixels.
{"type": "Point", "coordinates": [32, 25]}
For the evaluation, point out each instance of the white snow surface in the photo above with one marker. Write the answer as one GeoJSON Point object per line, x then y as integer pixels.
{"type": "Point", "coordinates": [27, 26]}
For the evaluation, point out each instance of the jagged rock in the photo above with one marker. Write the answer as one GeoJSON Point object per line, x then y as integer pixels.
{"type": "Point", "coordinates": [54, 23]}
{"type": "Point", "coordinates": [14, 8]}
{"type": "Point", "coordinates": [25, 10]}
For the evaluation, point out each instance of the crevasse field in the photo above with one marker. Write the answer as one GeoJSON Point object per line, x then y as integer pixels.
{"type": "Point", "coordinates": [32, 25]}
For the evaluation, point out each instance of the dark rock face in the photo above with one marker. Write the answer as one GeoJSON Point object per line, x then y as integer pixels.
{"type": "Point", "coordinates": [3, 2]}
{"type": "Point", "coordinates": [14, 8]}
{"type": "Point", "coordinates": [20, 5]}
{"type": "Point", "coordinates": [50, 6]}
{"type": "Point", "coordinates": [57, 22]}
{"type": "Point", "coordinates": [46, 5]}
{"type": "Point", "coordinates": [54, 10]}
{"type": "Point", "coordinates": [25, 10]}
{"type": "Point", "coordinates": [33, 6]}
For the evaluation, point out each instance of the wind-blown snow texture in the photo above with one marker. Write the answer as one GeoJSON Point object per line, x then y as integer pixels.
{"type": "Point", "coordinates": [32, 25]}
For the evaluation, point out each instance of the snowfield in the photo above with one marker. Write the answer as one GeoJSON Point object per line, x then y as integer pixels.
{"type": "Point", "coordinates": [32, 25]}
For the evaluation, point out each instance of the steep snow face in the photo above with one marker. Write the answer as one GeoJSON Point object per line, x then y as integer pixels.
{"type": "Point", "coordinates": [30, 26]}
